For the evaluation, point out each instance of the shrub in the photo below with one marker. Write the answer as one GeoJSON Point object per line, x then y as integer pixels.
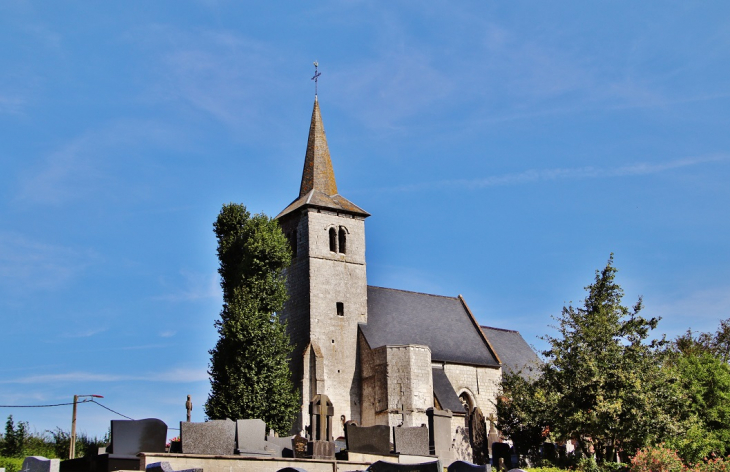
{"type": "Point", "coordinates": [657, 459]}
{"type": "Point", "coordinates": [11, 464]}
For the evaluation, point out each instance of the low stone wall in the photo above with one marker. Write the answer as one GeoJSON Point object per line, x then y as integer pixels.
{"type": "Point", "coordinates": [267, 464]}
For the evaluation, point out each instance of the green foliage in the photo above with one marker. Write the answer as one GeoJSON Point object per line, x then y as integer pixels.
{"type": "Point", "coordinates": [250, 376]}
{"type": "Point", "coordinates": [524, 415]}
{"type": "Point", "coordinates": [602, 382]}
{"type": "Point", "coordinates": [85, 445]}
{"type": "Point", "coordinates": [14, 438]}
{"type": "Point", "coordinates": [605, 375]}
{"type": "Point", "coordinates": [705, 383]}
{"type": "Point", "coordinates": [11, 464]}
{"type": "Point", "coordinates": [657, 459]}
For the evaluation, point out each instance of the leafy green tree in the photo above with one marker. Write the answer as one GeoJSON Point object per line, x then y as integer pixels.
{"type": "Point", "coordinates": [605, 374]}
{"type": "Point", "coordinates": [700, 363]}
{"type": "Point", "coordinates": [523, 411]}
{"type": "Point", "coordinates": [14, 438]}
{"type": "Point", "coordinates": [249, 369]}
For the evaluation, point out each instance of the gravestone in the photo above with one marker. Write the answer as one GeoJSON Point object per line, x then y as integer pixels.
{"type": "Point", "coordinates": [383, 466]}
{"type": "Point", "coordinates": [321, 449]}
{"type": "Point", "coordinates": [478, 437]}
{"type": "Point", "coordinates": [411, 441]}
{"type": "Point", "coordinates": [166, 467]}
{"type": "Point", "coordinates": [291, 469]}
{"type": "Point", "coordinates": [439, 434]}
{"type": "Point", "coordinates": [216, 437]}
{"type": "Point", "coordinates": [300, 447]}
{"type": "Point", "coordinates": [285, 445]}
{"type": "Point", "coordinates": [130, 437]}
{"type": "Point", "coordinates": [502, 451]}
{"type": "Point", "coordinates": [251, 439]}
{"type": "Point", "coordinates": [40, 464]}
{"type": "Point", "coordinates": [493, 436]}
{"type": "Point", "coordinates": [320, 418]}
{"type": "Point", "coordinates": [462, 466]}
{"type": "Point", "coordinates": [368, 439]}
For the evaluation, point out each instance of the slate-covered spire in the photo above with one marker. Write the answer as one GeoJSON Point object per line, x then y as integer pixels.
{"type": "Point", "coordinates": [318, 173]}
{"type": "Point", "coordinates": [318, 188]}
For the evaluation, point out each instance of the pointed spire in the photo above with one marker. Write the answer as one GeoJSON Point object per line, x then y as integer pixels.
{"type": "Point", "coordinates": [318, 173]}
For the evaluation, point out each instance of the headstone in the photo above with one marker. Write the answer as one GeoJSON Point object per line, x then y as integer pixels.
{"type": "Point", "coordinates": [251, 439]}
{"type": "Point", "coordinates": [502, 451]}
{"type": "Point", "coordinates": [216, 437]}
{"type": "Point", "coordinates": [493, 435]}
{"type": "Point", "coordinates": [439, 434]}
{"type": "Point", "coordinates": [166, 467]}
{"type": "Point", "coordinates": [285, 445]}
{"type": "Point", "coordinates": [478, 437]}
{"type": "Point", "coordinates": [300, 447]}
{"type": "Point", "coordinates": [321, 449]}
{"type": "Point", "coordinates": [368, 439]}
{"type": "Point", "coordinates": [462, 466]}
{"type": "Point", "coordinates": [40, 464]}
{"type": "Point", "coordinates": [383, 466]}
{"type": "Point", "coordinates": [411, 441]}
{"type": "Point", "coordinates": [320, 417]}
{"type": "Point", "coordinates": [130, 437]}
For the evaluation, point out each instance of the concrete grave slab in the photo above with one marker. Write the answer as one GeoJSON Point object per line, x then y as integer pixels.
{"type": "Point", "coordinates": [130, 437]}
{"type": "Point", "coordinates": [40, 464]}
{"type": "Point", "coordinates": [216, 437]}
{"type": "Point", "coordinates": [368, 439]}
{"type": "Point", "coordinates": [411, 441]}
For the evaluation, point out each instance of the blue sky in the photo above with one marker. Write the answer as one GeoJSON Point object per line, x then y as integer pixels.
{"type": "Point", "coordinates": [504, 150]}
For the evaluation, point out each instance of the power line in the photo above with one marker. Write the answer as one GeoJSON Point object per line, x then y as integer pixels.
{"type": "Point", "coordinates": [42, 406]}
{"type": "Point", "coordinates": [115, 412]}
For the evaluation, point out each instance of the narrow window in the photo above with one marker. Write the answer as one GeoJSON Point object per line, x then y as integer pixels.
{"type": "Point", "coordinates": [333, 240]}
{"type": "Point", "coordinates": [340, 309]}
{"type": "Point", "coordinates": [343, 240]}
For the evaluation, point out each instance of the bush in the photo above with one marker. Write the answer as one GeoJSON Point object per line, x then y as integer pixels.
{"type": "Point", "coordinates": [657, 459]}
{"type": "Point", "coordinates": [11, 464]}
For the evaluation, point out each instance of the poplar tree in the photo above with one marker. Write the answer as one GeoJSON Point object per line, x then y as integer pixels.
{"type": "Point", "coordinates": [249, 366]}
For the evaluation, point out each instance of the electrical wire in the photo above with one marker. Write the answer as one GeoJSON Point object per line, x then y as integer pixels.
{"type": "Point", "coordinates": [115, 412]}
{"type": "Point", "coordinates": [43, 406]}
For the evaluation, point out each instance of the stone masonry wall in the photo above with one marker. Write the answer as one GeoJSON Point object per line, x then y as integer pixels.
{"type": "Point", "coordinates": [337, 278]}
{"type": "Point", "coordinates": [481, 383]}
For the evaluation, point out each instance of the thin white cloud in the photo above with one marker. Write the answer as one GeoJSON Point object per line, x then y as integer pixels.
{"type": "Point", "coordinates": [575, 173]}
{"type": "Point", "coordinates": [175, 375]}
{"type": "Point", "coordinates": [47, 266]}
{"type": "Point", "coordinates": [87, 333]}
{"type": "Point", "coordinates": [195, 287]}
{"type": "Point", "coordinates": [94, 164]}
{"type": "Point", "coordinates": [167, 334]}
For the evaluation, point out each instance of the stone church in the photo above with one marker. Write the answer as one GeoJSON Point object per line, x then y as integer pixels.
{"type": "Point", "coordinates": [383, 356]}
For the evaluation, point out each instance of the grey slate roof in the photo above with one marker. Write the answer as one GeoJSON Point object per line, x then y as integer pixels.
{"type": "Point", "coordinates": [397, 317]}
{"type": "Point", "coordinates": [514, 352]}
{"type": "Point", "coordinates": [445, 392]}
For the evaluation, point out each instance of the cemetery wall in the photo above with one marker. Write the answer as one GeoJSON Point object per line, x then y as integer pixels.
{"type": "Point", "coordinates": [247, 464]}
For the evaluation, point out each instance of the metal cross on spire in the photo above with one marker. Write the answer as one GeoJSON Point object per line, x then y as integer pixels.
{"type": "Point", "coordinates": [316, 76]}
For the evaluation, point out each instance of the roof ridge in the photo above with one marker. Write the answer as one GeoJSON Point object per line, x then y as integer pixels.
{"type": "Point", "coordinates": [500, 329]}
{"type": "Point", "coordinates": [411, 291]}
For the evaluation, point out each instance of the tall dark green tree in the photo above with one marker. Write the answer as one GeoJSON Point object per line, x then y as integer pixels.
{"type": "Point", "coordinates": [605, 373]}
{"type": "Point", "coordinates": [249, 369]}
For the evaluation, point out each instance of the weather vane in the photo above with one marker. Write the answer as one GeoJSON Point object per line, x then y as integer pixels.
{"type": "Point", "coordinates": [316, 77]}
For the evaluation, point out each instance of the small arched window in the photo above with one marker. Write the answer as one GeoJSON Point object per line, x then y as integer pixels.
{"type": "Point", "coordinates": [343, 240]}
{"type": "Point", "coordinates": [333, 240]}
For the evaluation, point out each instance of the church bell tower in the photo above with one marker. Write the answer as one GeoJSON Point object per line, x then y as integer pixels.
{"type": "Point", "coordinates": [327, 285]}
